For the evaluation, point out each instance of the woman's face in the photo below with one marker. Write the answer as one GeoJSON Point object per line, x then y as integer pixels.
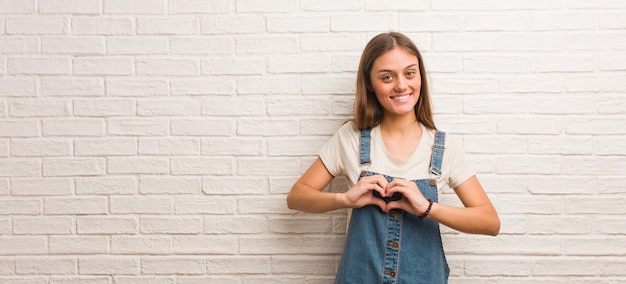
{"type": "Point", "coordinates": [396, 80]}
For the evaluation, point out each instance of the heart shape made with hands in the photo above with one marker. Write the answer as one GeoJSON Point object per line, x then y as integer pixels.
{"type": "Point", "coordinates": [395, 197]}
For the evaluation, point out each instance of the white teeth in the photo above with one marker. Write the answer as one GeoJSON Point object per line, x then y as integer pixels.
{"type": "Point", "coordinates": [401, 98]}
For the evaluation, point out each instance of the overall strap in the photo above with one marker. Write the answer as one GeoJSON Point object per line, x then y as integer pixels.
{"type": "Point", "coordinates": [365, 146]}
{"type": "Point", "coordinates": [435, 163]}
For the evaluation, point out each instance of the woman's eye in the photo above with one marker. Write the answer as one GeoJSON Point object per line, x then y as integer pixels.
{"type": "Point", "coordinates": [410, 73]}
{"type": "Point", "coordinates": [387, 78]}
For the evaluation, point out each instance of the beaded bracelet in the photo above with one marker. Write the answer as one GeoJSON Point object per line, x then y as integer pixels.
{"type": "Point", "coordinates": [427, 210]}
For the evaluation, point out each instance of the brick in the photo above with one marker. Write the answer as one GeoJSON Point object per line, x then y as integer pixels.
{"type": "Point", "coordinates": [104, 107]}
{"type": "Point", "coordinates": [612, 20]}
{"type": "Point", "coordinates": [263, 205]}
{"type": "Point", "coordinates": [102, 66]}
{"type": "Point", "coordinates": [69, 7]}
{"type": "Point", "coordinates": [39, 66]}
{"type": "Point", "coordinates": [561, 145]}
{"type": "Point", "coordinates": [138, 127]}
{"type": "Point", "coordinates": [18, 87]}
{"type": "Point", "coordinates": [239, 265]}
{"type": "Point", "coordinates": [277, 106]}
{"type": "Point", "coordinates": [599, 83]}
{"type": "Point", "coordinates": [300, 24]}
{"type": "Point", "coordinates": [469, 41]}
{"type": "Point", "coordinates": [262, 85]}
{"type": "Point", "coordinates": [245, 106]}
{"type": "Point", "coordinates": [611, 62]}
{"type": "Point", "coordinates": [47, 265]}
{"type": "Point", "coordinates": [292, 245]}
{"type": "Point", "coordinates": [138, 165]}
{"type": "Point", "coordinates": [328, 5]}
{"type": "Point", "coordinates": [264, 166]}
{"type": "Point", "coordinates": [563, 21]}
{"type": "Point", "coordinates": [562, 64]}
{"type": "Point", "coordinates": [320, 127]}
{"type": "Point", "coordinates": [195, 7]}
{"type": "Point", "coordinates": [171, 225]}
{"type": "Point", "coordinates": [80, 280]}
{"type": "Point", "coordinates": [468, 125]}
{"type": "Point", "coordinates": [106, 225]}
{"type": "Point", "coordinates": [202, 45]}
{"type": "Point", "coordinates": [18, 44]}
{"type": "Point", "coordinates": [167, 26]}
{"type": "Point", "coordinates": [169, 146]}
{"type": "Point", "coordinates": [494, 64]}
{"type": "Point", "coordinates": [169, 185]}
{"type": "Point", "coordinates": [243, 24]}
{"type": "Point", "coordinates": [547, 225]}
{"type": "Point", "coordinates": [141, 205]}
{"type": "Point", "coordinates": [540, 84]}
{"type": "Point", "coordinates": [458, 85]}
{"type": "Point", "coordinates": [43, 226]}
{"type": "Point", "coordinates": [420, 22]}
{"type": "Point", "coordinates": [20, 206]}
{"type": "Point", "coordinates": [498, 22]}
{"type": "Point", "coordinates": [502, 144]}
{"type": "Point", "coordinates": [7, 266]}
{"type": "Point", "coordinates": [234, 224]}
{"type": "Point", "coordinates": [111, 26]}
{"type": "Point", "coordinates": [169, 67]}
{"type": "Point", "coordinates": [17, 7]}
{"type": "Point", "coordinates": [272, 127]}
{"type": "Point", "coordinates": [235, 185]}
{"type": "Point", "coordinates": [497, 267]}
{"type": "Point", "coordinates": [201, 166]}
{"type": "Point", "coordinates": [206, 86]}
{"type": "Point", "coordinates": [287, 146]}
{"type": "Point", "coordinates": [140, 7]}
{"type": "Point", "coordinates": [41, 25]}
{"type": "Point", "coordinates": [109, 265]}
{"type": "Point", "coordinates": [128, 45]}
{"type": "Point", "coordinates": [21, 245]}
{"type": "Point", "coordinates": [41, 187]}
{"type": "Point", "coordinates": [75, 205]}
{"type": "Point", "coordinates": [603, 246]}
{"type": "Point", "coordinates": [40, 147]}
{"type": "Point", "coordinates": [233, 66]}
{"type": "Point", "coordinates": [20, 167]}
{"type": "Point", "coordinates": [145, 280]}
{"type": "Point", "coordinates": [357, 23]}
{"type": "Point", "coordinates": [204, 245]}
{"type": "Point", "coordinates": [595, 126]}
{"type": "Point", "coordinates": [530, 42]}
{"type": "Point", "coordinates": [581, 41]}
{"type": "Point", "coordinates": [172, 265]}
{"type": "Point", "coordinates": [78, 244]}
{"type": "Point", "coordinates": [72, 87]}
{"type": "Point", "coordinates": [136, 88]}
{"type": "Point", "coordinates": [300, 225]}
{"type": "Point", "coordinates": [84, 127]}
{"type": "Point", "coordinates": [106, 185]}
{"type": "Point", "coordinates": [73, 167]}
{"type": "Point", "coordinates": [306, 63]}
{"type": "Point", "coordinates": [39, 107]}
{"type": "Point", "coordinates": [126, 244]}
{"type": "Point", "coordinates": [527, 125]}
{"type": "Point", "coordinates": [205, 205]}
{"type": "Point", "coordinates": [529, 165]}
{"type": "Point", "coordinates": [203, 127]}
{"type": "Point", "coordinates": [611, 146]}
{"type": "Point", "coordinates": [169, 107]}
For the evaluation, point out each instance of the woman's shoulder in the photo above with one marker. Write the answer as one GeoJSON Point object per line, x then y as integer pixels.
{"type": "Point", "coordinates": [348, 130]}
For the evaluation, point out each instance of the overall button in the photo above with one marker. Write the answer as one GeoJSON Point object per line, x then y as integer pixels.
{"type": "Point", "coordinates": [363, 173]}
{"type": "Point", "coordinates": [433, 182]}
{"type": "Point", "coordinates": [396, 215]}
{"type": "Point", "coordinates": [391, 273]}
{"type": "Point", "coordinates": [393, 244]}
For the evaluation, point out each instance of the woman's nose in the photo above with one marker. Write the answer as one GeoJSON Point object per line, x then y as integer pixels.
{"type": "Point", "coordinates": [400, 85]}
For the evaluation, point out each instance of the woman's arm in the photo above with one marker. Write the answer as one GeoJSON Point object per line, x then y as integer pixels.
{"type": "Point", "coordinates": [477, 217]}
{"type": "Point", "coordinates": [307, 195]}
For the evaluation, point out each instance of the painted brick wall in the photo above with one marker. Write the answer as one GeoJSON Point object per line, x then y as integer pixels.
{"type": "Point", "coordinates": [153, 141]}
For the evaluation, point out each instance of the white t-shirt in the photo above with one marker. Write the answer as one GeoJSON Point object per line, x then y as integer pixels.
{"type": "Point", "coordinates": [341, 156]}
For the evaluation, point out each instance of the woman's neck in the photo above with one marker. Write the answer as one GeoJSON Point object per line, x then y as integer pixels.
{"type": "Point", "coordinates": [400, 125]}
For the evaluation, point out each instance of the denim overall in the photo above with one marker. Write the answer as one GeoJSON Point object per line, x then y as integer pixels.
{"type": "Point", "coordinates": [394, 247]}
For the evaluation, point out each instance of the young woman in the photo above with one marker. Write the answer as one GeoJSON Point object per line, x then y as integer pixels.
{"type": "Point", "coordinates": [395, 161]}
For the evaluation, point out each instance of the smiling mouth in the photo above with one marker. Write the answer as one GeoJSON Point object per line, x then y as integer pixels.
{"type": "Point", "coordinates": [401, 98]}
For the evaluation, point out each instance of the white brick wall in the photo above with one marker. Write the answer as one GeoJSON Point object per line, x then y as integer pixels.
{"type": "Point", "coordinates": [153, 141]}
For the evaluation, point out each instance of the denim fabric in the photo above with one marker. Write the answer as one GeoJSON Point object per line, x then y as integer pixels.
{"type": "Point", "coordinates": [394, 247]}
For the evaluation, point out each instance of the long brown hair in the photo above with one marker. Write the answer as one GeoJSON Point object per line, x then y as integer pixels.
{"type": "Point", "coordinates": [368, 112]}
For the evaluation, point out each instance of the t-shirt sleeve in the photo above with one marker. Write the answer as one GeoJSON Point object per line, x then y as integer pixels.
{"type": "Point", "coordinates": [459, 166]}
{"type": "Point", "coordinates": [337, 153]}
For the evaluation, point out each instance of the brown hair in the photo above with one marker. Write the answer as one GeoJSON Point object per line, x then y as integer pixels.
{"type": "Point", "coordinates": [367, 110]}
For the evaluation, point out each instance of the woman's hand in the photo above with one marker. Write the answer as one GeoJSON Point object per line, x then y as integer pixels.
{"type": "Point", "coordinates": [361, 194]}
{"type": "Point", "coordinates": [412, 201]}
